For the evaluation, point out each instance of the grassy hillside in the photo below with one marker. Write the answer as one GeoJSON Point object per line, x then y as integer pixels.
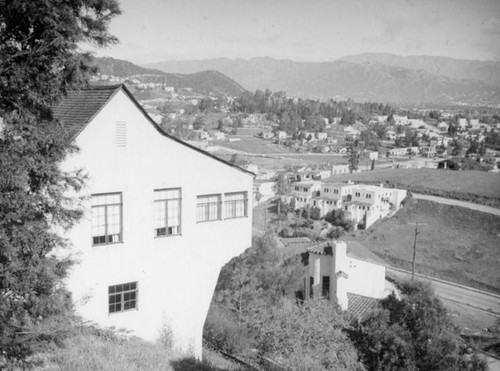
{"type": "Point", "coordinates": [93, 351]}
{"type": "Point", "coordinates": [476, 186]}
{"type": "Point", "coordinates": [456, 244]}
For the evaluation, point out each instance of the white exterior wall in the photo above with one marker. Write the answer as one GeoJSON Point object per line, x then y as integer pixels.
{"type": "Point", "coordinates": [176, 275]}
{"type": "Point", "coordinates": [365, 278]}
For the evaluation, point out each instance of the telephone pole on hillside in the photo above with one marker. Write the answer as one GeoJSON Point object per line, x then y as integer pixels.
{"type": "Point", "coordinates": [415, 250]}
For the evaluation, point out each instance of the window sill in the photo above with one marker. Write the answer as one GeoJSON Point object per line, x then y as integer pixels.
{"type": "Point", "coordinates": [123, 311]}
{"type": "Point", "coordinates": [237, 217]}
{"type": "Point", "coordinates": [208, 221]}
{"type": "Point", "coordinates": [168, 235]}
{"type": "Point", "coordinates": [107, 244]}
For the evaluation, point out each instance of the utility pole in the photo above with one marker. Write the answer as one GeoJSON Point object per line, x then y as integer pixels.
{"type": "Point", "coordinates": [415, 250]}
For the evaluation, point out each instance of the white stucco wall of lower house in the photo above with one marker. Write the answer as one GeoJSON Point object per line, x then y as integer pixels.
{"type": "Point", "coordinates": [176, 275]}
{"type": "Point", "coordinates": [365, 278]}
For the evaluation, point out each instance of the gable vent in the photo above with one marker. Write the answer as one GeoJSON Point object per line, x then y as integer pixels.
{"type": "Point", "coordinates": [121, 134]}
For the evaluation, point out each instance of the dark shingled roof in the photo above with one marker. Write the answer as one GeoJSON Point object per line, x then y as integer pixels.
{"type": "Point", "coordinates": [79, 107]}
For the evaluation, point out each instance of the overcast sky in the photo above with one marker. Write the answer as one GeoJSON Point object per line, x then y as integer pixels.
{"type": "Point", "coordinates": [304, 30]}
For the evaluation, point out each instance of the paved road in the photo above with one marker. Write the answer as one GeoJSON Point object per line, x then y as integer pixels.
{"type": "Point", "coordinates": [461, 294]}
{"type": "Point", "coordinates": [448, 201]}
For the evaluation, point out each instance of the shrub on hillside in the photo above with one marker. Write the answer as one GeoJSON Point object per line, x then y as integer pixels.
{"type": "Point", "coordinates": [222, 332]}
{"type": "Point", "coordinates": [307, 336]}
{"type": "Point", "coordinates": [413, 333]}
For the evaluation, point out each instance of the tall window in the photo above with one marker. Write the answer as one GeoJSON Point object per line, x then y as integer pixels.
{"type": "Point", "coordinates": [167, 212]}
{"type": "Point", "coordinates": [106, 218]}
{"type": "Point", "coordinates": [311, 287]}
{"type": "Point", "coordinates": [325, 287]}
{"type": "Point", "coordinates": [235, 205]}
{"type": "Point", "coordinates": [122, 297]}
{"type": "Point", "coordinates": [208, 208]}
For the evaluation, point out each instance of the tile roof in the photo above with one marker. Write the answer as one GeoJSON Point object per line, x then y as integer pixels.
{"type": "Point", "coordinates": [297, 245]}
{"type": "Point", "coordinates": [79, 107]}
{"type": "Point", "coordinates": [359, 306]}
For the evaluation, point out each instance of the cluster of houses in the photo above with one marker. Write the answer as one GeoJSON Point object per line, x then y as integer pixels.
{"type": "Point", "coordinates": [362, 204]}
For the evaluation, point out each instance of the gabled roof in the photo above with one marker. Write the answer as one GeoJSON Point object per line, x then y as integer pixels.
{"type": "Point", "coordinates": [79, 107]}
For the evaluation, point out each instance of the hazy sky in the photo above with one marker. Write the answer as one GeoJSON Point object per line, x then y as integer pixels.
{"type": "Point", "coordinates": [304, 30]}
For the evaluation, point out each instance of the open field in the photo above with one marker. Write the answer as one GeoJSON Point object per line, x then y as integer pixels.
{"type": "Point", "coordinates": [475, 186]}
{"type": "Point", "coordinates": [253, 145]}
{"type": "Point", "coordinates": [280, 161]}
{"type": "Point", "coordinates": [455, 244]}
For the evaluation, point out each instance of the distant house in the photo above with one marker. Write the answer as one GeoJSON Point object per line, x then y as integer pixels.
{"type": "Point", "coordinates": [338, 169]}
{"type": "Point", "coordinates": [462, 123]}
{"type": "Point", "coordinates": [449, 165]}
{"type": "Point", "coordinates": [336, 269]}
{"type": "Point", "coordinates": [218, 135]}
{"type": "Point", "coordinates": [400, 120]}
{"type": "Point", "coordinates": [263, 191]}
{"type": "Point", "coordinates": [281, 135]}
{"type": "Point", "coordinates": [474, 124]}
{"type": "Point", "coordinates": [398, 151]}
{"type": "Point", "coordinates": [370, 203]}
{"type": "Point", "coordinates": [302, 193]}
{"type": "Point", "coordinates": [332, 195]}
{"type": "Point", "coordinates": [428, 151]}
{"type": "Point", "coordinates": [321, 136]}
{"type": "Point", "coordinates": [370, 155]}
{"type": "Point", "coordinates": [443, 126]}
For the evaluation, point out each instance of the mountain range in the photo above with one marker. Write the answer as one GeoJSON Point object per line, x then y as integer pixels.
{"type": "Point", "coordinates": [202, 82]}
{"type": "Point", "coordinates": [366, 77]}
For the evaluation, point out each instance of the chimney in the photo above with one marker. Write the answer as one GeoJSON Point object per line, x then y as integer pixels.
{"type": "Point", "coordinates": [339, 273]}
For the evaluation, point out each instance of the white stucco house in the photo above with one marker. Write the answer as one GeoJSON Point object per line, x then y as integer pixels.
{"type": "Point", "coordinates": [337, 270]}
{"type": "Point", "coordinates": [370, 203]}
{"type": "Point", "coordinates": [302, 193]}
{"type": "Point", "coordinates": [161, 218]}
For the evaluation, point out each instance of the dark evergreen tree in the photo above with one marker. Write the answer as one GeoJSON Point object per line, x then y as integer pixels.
{"type": "Point", "coordinates": [39, 62]}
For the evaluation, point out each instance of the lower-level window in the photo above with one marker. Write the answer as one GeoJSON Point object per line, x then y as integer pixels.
{"type": "Point", "coordinates": [122, 297]}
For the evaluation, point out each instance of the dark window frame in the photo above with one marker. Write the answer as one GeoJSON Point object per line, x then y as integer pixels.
{"type": "Point", "coordinates": [123, 297]}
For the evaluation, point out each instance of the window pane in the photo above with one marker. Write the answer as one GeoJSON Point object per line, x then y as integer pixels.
{"type": "Point", "coordinates": [208, 208]}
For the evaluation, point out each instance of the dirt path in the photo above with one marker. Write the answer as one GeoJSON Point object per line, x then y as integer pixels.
{"type": "Point", "coordinates": [448, 201]}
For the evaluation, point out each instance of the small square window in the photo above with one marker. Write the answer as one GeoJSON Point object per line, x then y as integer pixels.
{"type": "Point", "coordinates": [122, 297]}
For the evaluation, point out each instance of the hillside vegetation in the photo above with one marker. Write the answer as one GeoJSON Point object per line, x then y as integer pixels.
{"type": "Point", "coordinates": [456, 244]}
{"type": "Point", "coordinates": [201, 82]}
{"type": "Point", "coordinates": [475, 186]}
